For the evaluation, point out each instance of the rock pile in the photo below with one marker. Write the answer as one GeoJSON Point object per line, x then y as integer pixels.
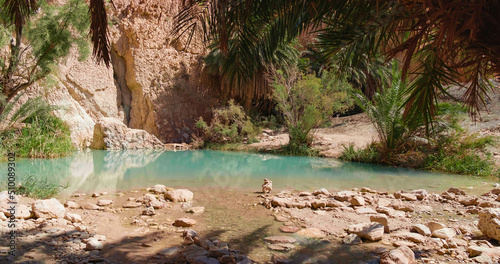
{"type": "Point", "coordinates": [397, 219]}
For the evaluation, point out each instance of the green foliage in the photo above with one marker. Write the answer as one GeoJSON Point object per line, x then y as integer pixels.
{"type": "Point", "coordinates": [385, 112]}
{"type": "Point", "coordinates": [306, 101]}
{"type": "Point", "coordinates": [457, 152]}
{"type": "Point", "coordinates": [366, 155]}
{"type": "Point", "coordinates": [462, 153]}
{"type": "Point", "coordinates": [46, 37]}
{"type": "Point", "coordinates": [44, 135]}
{"type": "Point", "coordinates": [229, 125]}
{"type": "Point", "coordinates": [38, 188]}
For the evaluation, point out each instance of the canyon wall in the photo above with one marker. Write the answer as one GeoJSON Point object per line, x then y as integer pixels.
{"type": "Point", "coordinates": [154, 83]}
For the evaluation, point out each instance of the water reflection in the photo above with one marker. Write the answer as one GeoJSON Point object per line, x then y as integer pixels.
{"type": "Point", "coordinates": [89, 171]}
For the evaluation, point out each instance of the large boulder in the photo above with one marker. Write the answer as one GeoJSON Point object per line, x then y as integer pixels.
{"type": "Point", "coordinates": [112, 134]}
{"type": "Point", "coordinates": [50, 208]}
{"type": "Point", "coordinates": [180, 195]}
{"type": "Point", "coordinates": [489, 222]}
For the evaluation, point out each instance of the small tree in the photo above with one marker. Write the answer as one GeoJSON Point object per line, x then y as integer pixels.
{"type": "Point", "coordinates": [34, 36]}
{"type": "Point", "coordinates": [306, 102]}
{"type": "Point", "coordinates": [385, 111]}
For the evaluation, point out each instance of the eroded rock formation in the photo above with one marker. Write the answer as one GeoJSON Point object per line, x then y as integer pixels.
{"type": "Point", "coordinates": [155, 82]}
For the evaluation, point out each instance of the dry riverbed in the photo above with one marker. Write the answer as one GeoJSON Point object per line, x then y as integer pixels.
{"type": "Point", "coordinates": [208, 225]}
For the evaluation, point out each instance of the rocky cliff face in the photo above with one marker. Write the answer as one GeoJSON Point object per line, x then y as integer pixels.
{"type": "Point", "coordinates": [154, 84]}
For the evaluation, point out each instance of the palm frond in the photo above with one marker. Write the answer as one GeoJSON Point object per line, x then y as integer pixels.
{"type": "Point", "coordinates": [99, 31]}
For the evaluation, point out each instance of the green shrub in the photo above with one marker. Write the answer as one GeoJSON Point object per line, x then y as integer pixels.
{"type": "Point", "coordinates": [306, 102]}
{"type": "Point", "coordinates": [38, 188]}
{"type": "Point", "coordinates": [366, 155]}
{"type": "Point", "coordinates": [462, 153]}
{"type": "Point", "coordinates": [44, 135]}
{"type": "Point", "coordinates": [229, 125]}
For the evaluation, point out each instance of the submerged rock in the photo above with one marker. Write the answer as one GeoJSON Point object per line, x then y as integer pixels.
{"type": "Point", "coordinates": [280, 239]}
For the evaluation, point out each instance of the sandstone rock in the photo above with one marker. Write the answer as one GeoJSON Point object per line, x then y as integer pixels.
{"type": "Point", "coordinates": [488, 204]}
{"type": "Point", "coordinates": [289, 229]}
{"type": "Point", "coordinates": [156, 204]}
{"type": "Point", "coordinates": [456, 191]}
{"type": "Point", "coordinates": [278, 247]}
{"type": "Point", "coordinates": [401, 243]}
{"type": "Point", "coordinates": [159, 189]}
{"type": "Point", "coordinates": [334, 203]}
{"type": "Point", "coordinates": [50, 208]}
{"type": "Point", "coordinates": [357, 201]}
{"type": "Point", "coordinates": [311, 233]}
{"type": "Point", "coordinates": [344, 196]}
{"type": "Point", "coordinates": [401, 255]}
{"type": "Point", "coordinates": [149, 211]}
{"type": "Point", "coordinates": [104, 202]}
{"type": "Point", "coordinates": [404, 207]}
{"type": "Point", "coordinates": [94, 244]}
{"type": "Point", "coordinates": [483, 259]}
{"type": "Point", "coordinates": [409, 196]}
{"type": "Point", "coordinates": [422, 229]}
{"type": "Point", "coordinates": [112, 134]}
{"type": "Point", "coordinates": [352, 239]}
{"type": "Point", "coordinates": [280, 239]}
{"type": "Point", "coordinates": [468, 200]}
{"type": "Point", "coordinates": [180, 195]}
{"type": "Point", "coordinates": [433, 226]}
{"type": "Point", "coordinates": [71, 205]}
{"type": "Point", "coordinates": [421, 194]}
{"type": "Point", "coordinates": [131, 205]}
{"type": "Point", "coordinates": [267, 187]}
{"type": "Point", "coordinates": [444, 233]}
{"type": "Point", "coordinates": [318, 204]}
{"type": "Point", "coordinates": [184, 222]}
{"type": "Point", "coordinates": [90, 206]}
{"type": "Point", "coordinates": [370, 231]}
{"type": "Point", "coordinates": [305, 194]}
{"type": "Point", "coordinates": [321, 191]}
{"type": "Point", "coordinates": [281, 202]}
{"type": "Point", "coordinates": [489, 223]}
{"type": "Point", "coordinates": [23, 211]}
{"type": "Point", "coordinates": [196, 210]}
{"type": "Point", "coordinates": [417, 238]}
{"type": "Point", "coordinates": [365, 210]}
{"type": "Point", "coordinates": [382, 219]}
{"type": "Point", "coordinates": [74, 218]}
{"type": "Point", "coordinates": [367, 190]}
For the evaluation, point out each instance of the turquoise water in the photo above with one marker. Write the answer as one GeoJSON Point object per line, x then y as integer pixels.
{"type": "Point", "coordinates": [90, 171]}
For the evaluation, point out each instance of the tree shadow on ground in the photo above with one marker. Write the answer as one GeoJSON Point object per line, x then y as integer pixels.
{"type": "Point", "coordinates": [42, 249]}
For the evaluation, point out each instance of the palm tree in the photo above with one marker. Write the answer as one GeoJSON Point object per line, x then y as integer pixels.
{"type": "Point", "coordinates": [438, 42]}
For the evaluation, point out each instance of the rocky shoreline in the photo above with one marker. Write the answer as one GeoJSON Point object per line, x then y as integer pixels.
{"type": "Point", "coordinates": [401, 227]}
